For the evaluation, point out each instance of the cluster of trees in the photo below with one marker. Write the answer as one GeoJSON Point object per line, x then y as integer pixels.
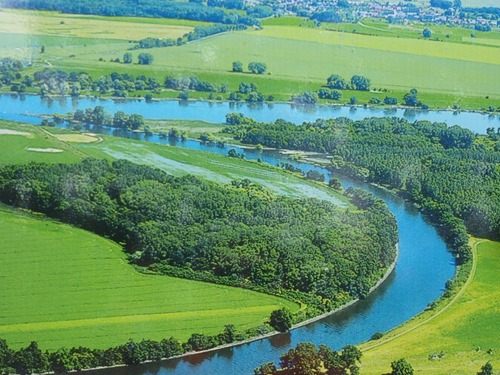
{"type": "Point", "coordinates": [307, 359]}
{"type": "Point", "coordinates": [98, 117]}
{"type": "Point", "coordinates": [443, 4]}
{"type": "Point", "coordinates": [193, 83]}
{"type": "Point", "coordinates": [145, 8]}
{"type": "Point", "coordinates": [56, 81]}
{"type": "Point", "coordinates": [329, 94]}
{"type": "Point", "coordinates": [198, 33]}
{"type": "Point", "coordinates": [327, 16]}
{"type": "Point", "coordinates": [253, 94]}
{"type": "Point", "coordinates": [411, 99]}
{"type": "Point", "coordinates": [240, 232]}
{"type": "Point", "coordinates": [357, 83]}
{"type": "Point", "coordinates": [10, 71]}
{"type": "Point", "coordinates": [254, 67]}
{"type": "Point", "coordinates": [450, 172]}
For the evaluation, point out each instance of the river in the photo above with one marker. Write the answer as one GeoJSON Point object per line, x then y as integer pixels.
{"type": "Point", "coordinates": [423, 267]}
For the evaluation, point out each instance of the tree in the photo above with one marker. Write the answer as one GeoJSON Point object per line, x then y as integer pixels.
{"type": "Point", "coordinates": [487, 369]}
{"type": "Point", "coordinates": [237, 67]}
{"type": "Point", "coordinates": [411, 99]}
{"type": "Point", "coordinates": [30, 360]}
{"type": "Point", "coordinates": [315, 176]}
{"type": "Point", "coordinates": [127, 58]}
{"type": "Point", "coordinates": [304, 359]}
{"type": "Point", "coordinates": [427, 33]}
{"type": "Point", "coordinates": [360, 83]}
{"type": "Point", "coordinates": [265, 369]}
{"type": "Point", "coordinates": [257, 67]}
{"type": "Point", "coordinates": [336, 82]}
{"type": "Point", "coordinates": [145, 59]}
{"type": "Point", "coordinates": [281, 320]}
{"type": "Point", "coordinates": [401, 367]}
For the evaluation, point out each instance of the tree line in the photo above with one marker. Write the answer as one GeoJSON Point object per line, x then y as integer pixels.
{"type": "Point", "coordinates": [198, 33]}
{"type": "Point", "coordinates": [145, 8]}
{"type": "Point", "coordinates": [450, 172]}
{"type": "Point", "coordinates": [31, 359]}
{"type": "Point", "coordinates": [238, 234]}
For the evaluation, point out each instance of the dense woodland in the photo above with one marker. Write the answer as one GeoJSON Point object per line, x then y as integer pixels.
{"type": "Point", "coordinates": [450, 172]}
{"type": "Point", "coordinates": [238, 233]}
{"type": "Point", "coordinates": [143, 8]}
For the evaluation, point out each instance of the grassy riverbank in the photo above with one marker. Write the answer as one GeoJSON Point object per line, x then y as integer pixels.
{"type": "Point", "coordinates": [173, 160]}
{"type": "Point", "coordinates": [464, 329]}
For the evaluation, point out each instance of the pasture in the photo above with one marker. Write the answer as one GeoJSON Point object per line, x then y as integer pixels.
{"type": "Point", "coordinates": [217, 168]}
{"type": "Point", "coordinates": [395, 64]}
{"type": "Point", "coordinates": [65, 287]}
{"type": "Point", "coordinates": [454, 70]}
{"type": "Point", "coordinates": [173, 160]}
{"type": "Point", "coordinates": [14, 146]}
{"type": "Point", "coordinates": [95, 27]}
{"type": "Point", "coordinates": [413, 30]}
{"type": "Point", "coordinates": [464, 331]}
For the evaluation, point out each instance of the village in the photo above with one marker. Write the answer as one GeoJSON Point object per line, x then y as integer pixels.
{"type": "Point", "coordinates": [445, 12]}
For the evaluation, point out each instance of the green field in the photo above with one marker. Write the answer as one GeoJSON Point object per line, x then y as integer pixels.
{"type": "Point", "coordinates": [66, 287]}
{"type": "Point", "coordinates": [437, 67]}
{"type": "Point", "coordinates": [69, 25]}
{"type": "Point", "coordinates": [458, 70]}
{"type": "Point", "coordinates": [173, 160]}
{"type": "Point", "coordinates": [465, 330]}
{"type": "Point", "coordinates": [413, 30]}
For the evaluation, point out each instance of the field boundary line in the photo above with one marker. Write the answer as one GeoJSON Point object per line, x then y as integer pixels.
{"type": "Point", "coordinates": [475, 243]}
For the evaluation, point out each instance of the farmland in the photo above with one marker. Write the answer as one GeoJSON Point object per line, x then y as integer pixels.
{"type": "Point", "coordinates": [464, 331]}
{"type": "Point", "coordinates": [452, 71]}
{"type": "Point", "coordinates": [93, 297]}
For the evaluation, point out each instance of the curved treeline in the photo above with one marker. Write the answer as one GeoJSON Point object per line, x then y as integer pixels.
{"type": "Point", "coordinates": [143, 8]}
{"type": "Point", "coordinates": [238, 234]}
{"type": "Point", "coordinates": [450, 172]}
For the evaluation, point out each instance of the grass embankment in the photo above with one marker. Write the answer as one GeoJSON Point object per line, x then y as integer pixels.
{"type": "Point", "coordinates": [464, 329]}
{"type": "Point", "coordinates": [66, 287]}
{"type": "Point", "coordinates": [446, 73]}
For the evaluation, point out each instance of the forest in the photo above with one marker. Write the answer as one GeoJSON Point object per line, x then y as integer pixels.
{"type": "Point", "coordinates": [450, 172]}
{"type": "Point", "coordinates": [144, 8]}
{"type": "Point", "coordinates": [238, 234]}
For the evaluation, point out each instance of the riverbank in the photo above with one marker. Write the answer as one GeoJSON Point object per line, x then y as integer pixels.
{"type": "Point", "coordinates": [305, 107]}
{"type": "Point", "coordinates": [459, 335]}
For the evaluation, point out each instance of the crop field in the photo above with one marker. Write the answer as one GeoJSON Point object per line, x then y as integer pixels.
{"type": "Point", "coordinates": [464, 332]}
{"type": "Point", "coordinates": [443, 33]}
{"type": "Point", "coordinates": [66, 287]}
{"type": "Point", "coordinates": [447, 72]}
{"type": "Point", "coordinates": [67, 25]}
{"type": "Point", "coordinates": [396, 64]}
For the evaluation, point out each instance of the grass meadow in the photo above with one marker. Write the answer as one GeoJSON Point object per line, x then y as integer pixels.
{"type": "Point", "coordinates": [464, 331]}
{"type": "Point", "coordinates": [95, 27]}
{"type": "Point", "coordinates": [446, 73]}
{"type": "Point", "coordinates": [64, 287]}
{"type": "Point", "coordinates": [444, 68]}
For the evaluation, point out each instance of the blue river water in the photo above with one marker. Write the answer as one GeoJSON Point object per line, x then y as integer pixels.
{"type": "Point", "coordinates": [424, 264]}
